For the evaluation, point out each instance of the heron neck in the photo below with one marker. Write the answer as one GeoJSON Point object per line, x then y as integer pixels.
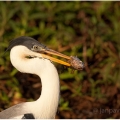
{"type": "Point", "coordinates": [49, 97]}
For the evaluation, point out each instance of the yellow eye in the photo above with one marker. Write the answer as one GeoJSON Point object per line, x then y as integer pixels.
{"type": "Point", "coordinates": [35, 47]}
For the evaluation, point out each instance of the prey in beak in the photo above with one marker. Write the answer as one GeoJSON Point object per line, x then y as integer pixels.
{"type": "Point", "coordinates": [70, 61]}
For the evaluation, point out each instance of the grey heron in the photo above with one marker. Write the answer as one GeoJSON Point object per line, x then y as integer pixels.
{"type": "Point", "coordinates": [27, 55]}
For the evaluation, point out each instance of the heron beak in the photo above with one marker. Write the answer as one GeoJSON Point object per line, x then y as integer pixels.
{"type": "Point", "coordinates": [47, 52]}
{"type": "Point", "coordinates": [71, 61]}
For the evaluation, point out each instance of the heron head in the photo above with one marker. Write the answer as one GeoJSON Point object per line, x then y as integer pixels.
{"type": "Point", "coordinates": [25, 50]}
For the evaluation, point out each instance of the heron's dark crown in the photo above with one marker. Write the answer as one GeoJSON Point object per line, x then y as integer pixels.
{"type": "Point", "coordinates": [25, 41]}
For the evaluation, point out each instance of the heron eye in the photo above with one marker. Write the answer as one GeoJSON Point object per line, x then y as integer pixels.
{"type": "Point", "coordinates": [35, 47]}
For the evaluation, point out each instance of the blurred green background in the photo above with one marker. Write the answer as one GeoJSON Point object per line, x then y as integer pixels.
{"type": "Point", "coordinates": [89, 30]}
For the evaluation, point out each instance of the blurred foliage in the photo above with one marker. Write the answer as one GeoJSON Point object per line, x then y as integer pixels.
{"type": "Point", "coordinates": [89, 30]}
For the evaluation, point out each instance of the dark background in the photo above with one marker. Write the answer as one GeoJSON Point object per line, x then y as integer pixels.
{"type": "Point", "coordinates": [89, 30]}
